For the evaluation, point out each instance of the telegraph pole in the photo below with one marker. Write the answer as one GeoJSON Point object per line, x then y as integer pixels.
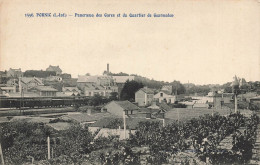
{"type": "Point", "coordinates": [235, 87]}
{"type": "Point", "coordinates": [124, 124]}
{"type": "Point", "coordinates": [49, 150]}
{"type": "Point", "coordinates": [20, 90]}
{"type": "Point", "coordinates": [235, 103]}
{"type": "Point", "coordinates": [178, 116]}
{"type": "Point", "coordinates": [2, 156]}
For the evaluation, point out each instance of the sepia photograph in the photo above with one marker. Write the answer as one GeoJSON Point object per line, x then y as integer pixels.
{"type": "Point", "coordinates": [129, 82]}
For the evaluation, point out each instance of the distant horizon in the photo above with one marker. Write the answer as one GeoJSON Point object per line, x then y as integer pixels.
{"type": "Point", "coordinates": [206, 42]}
{"type": "Point", "coordinates": [190, 82]}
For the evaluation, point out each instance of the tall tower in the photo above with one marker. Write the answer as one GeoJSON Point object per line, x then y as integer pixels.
{"type": "Point", "coordinates": [107, 68]}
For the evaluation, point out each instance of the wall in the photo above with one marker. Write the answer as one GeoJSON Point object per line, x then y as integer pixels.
{"type": "Point", "coordinates": [140, 98]}
{"type": "Point", "coordinates": [168, 98]}
{"type": "Point", "coordinates": [149, 99]}
{"type": "Point", "coordinates": [47, 93]}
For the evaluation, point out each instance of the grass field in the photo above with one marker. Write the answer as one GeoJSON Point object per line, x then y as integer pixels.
{"type": "Point", "coordinates": [186, 114]}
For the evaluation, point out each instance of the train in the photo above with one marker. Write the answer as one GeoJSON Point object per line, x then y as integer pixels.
{"type": "Point", "coordinates": [43, 102]}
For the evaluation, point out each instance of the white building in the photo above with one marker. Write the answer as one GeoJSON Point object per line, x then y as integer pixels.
{"type": "Point", "coordinates": [164, 96]}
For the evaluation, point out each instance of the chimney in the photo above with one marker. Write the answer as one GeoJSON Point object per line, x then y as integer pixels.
{"type": "Point", "coordinates": [107, 67]}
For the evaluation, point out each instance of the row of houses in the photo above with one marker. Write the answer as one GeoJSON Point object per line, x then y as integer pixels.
{"type": "Point", "coordinates": [103, 84]}
{"type": "Point", "coordinates": [60, 85]}
{"type": "Point", "coordinates": [14, 82]}
{"type": "Point", "coordinates": [16, 73]}
{"type": "Point", "coordinates": [26, 85]}
{"type": "Point", "coordinates": [145, 97]}
{"type": "Point", "coordinates": [117, 112]}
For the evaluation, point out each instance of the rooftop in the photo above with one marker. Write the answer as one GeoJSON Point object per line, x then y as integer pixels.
{"type": "Point", "coordinates": [70, 89]}
{"type": "Point", "coordinates": [166, 92]}
{"type": "Point", "coordinates": [29, 79]}
{"type": "Point", "coordinates": [147, 90]}
{"type": "Point", "coordinates": [92, 79]}
{"type": "Point", "coordinates": [16, 70]}
{"type": "Point", "coordinates": [45, 88]}
{"type": "Point", "coordinates": [94, 87]}
{"type": "Point", "coordinates": [126, 105]}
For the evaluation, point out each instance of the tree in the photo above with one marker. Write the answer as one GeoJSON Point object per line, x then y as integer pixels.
{"type": "Point", "coordinates": [119, 74]}
{"type": "Point", "coordinates": [227, 87]}
{"type": "Point", "coordinates": [39, 73]}
{"type": "Point", "coordinates": [76, 139]}
{"type": "Point", "coordinates": [21, 139]}
{"type": "Point", "coordinates": [115, 123]}
{"type": "Point", "coordinates": [177, 85]}
{"type": "Point", "coordinates": [204, 89]}
{"type": "Point", "coordinates": [113, 96]}
{"type": "Point", "coordinates": [96, 100]}
{"type": "Point", "coordinates": [148, 82]}
{"type": "Point", "coordinates": [129, 89]}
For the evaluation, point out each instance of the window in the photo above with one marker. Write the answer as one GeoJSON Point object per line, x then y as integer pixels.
{"type": "Point", "coordinates": [161, 94]}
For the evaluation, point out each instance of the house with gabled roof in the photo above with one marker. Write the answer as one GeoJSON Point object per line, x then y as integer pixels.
{"type": "Point", "coordinates": [55, 69]}
{"type": "Point", "coordinates": [144, 96]}
{"type": "Point", "coordinates": [104, 129]}
{"type": "Point", "coordinates": [13, 82]}
{"type": "Point", "coordinates": [164, 95]}
{"type": "Point", "coordinates": [8, 89]}
{"type": "Point", "coordinates": [29, 82]}
{"type": "Point", "coordinates": [102, 85]}
{"type": "Point", "coordinates": [168, 88]}
{"type": "Point", "coordinates": [94, 89]}
{"type": "Point", "coordinates": [95, 80]}
{"type": "Point", "coordinates": [46, 91]}
{"type": "Point", "coordinates": [119, 108]}
{"type": "Point", "coordinates": [70, 91]}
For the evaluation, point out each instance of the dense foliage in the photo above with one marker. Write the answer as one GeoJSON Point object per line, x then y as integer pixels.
{"type": "Point", "coordinates": [21, 139]}
{"type": "Point", "coordinates": [115, 123]}
{"type": "Point", "coordinates": [201, 136]}
{"type": "Point", "coordinates": [97, 100]}
{"type": "Point", "coordinates": [129, 89]}
{"type": "Point", "coordinates": [247, 87]}
{"type": "Point", "coordinates": [151, 143]}
{"type": "Point", "coordinates": [202, 89]}
{"type": "Point", "coordinates": [39, 73]}
{"type": "Point", "coordinates": [113, 96]}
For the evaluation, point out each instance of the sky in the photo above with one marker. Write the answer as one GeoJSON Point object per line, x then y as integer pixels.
{"type": "Point", "coordinates": [206, 42]}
